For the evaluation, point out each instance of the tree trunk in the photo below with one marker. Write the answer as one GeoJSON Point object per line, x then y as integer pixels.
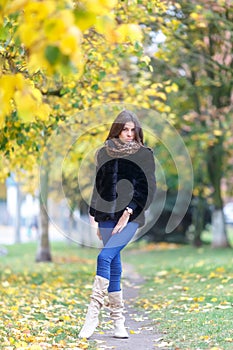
{"type": "Point", "coordinates": [18, 215]}
{"type": "Point", "coordinates": [219, 230]}
{"type": "Point", "coordinates": [198, 220]}
{"type": "Point", "coordinates": [71, 226]}
{"type": "Point", "coordinates": [43, 252]}
{"type": "Point", "coordinates": [214, 163]}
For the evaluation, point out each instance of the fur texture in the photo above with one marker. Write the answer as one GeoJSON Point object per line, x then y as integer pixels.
{"type": "Point", "coordinates": [121, 182]}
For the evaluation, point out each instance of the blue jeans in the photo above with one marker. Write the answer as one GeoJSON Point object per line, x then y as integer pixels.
{"type": "Point", "coordinates": [109, 259]}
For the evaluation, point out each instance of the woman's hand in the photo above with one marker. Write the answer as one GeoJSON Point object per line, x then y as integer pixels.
{"type": "Point", "coordinates": [99, 234]}
{"type": "Point", "coordinates": [122, 222]}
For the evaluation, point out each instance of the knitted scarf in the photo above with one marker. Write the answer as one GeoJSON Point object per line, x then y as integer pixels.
{"type": "Point", "coordinates": [116, 148]}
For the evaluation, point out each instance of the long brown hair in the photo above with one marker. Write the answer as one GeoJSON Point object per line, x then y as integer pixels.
{"type": "Point", "coordinates": [119, 123]}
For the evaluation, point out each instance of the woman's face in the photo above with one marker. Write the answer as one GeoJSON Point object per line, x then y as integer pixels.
{"type": "Point", "coordinates": [128, 132]}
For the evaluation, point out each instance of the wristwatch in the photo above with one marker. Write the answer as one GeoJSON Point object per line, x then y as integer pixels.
{"type": "Point", "coordinates": [129, 210]}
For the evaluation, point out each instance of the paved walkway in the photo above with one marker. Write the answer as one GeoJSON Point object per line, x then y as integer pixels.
{"type": "Point", "coordinates": [142, 332]}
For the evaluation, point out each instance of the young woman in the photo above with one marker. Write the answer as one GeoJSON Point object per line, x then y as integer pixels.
{"type": "Point", "coordinates": [124, 188]}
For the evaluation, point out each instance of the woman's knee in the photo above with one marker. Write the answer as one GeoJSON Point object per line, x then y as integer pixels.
{"type": "Point", "coordinates": [102, 259]}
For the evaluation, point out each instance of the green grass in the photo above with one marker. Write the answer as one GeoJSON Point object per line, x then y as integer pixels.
{"type": "Point", "coordinates": [23, 255]}
{"type": "Point", "coordinates": [188, 294]}
{"type": "Point", "coordinates": [42, 304]}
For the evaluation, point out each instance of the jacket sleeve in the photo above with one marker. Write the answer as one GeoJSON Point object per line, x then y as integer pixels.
{"type": "Point", "coordinates": [151, 179]}
{"type": "Point", "coordinates": [145, 185]}
{"type": "Point", "coordinates": [98, 176]}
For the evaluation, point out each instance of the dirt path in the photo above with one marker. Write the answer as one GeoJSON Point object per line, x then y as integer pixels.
{"type": "Point", "coordinates": [142, 333]}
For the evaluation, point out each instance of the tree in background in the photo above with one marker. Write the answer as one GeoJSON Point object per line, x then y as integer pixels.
{"type": "Point", "coordinates": [197, 56]}
{"type": "Point", "coordinates": [58, 58]}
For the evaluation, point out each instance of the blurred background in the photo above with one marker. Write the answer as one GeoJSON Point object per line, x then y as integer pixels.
{"type": "Point", "coordinates": [63, 82]}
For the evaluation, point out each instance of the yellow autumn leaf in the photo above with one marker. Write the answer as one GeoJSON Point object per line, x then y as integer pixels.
{"type": "Point", "coordinates": [43, 111]}
{"type": "Point", "coordinates": [168, 89]}
{"type": "Point", "coordinates": [146, 59]}
{"type": "Point", "coordinates": [217, 132]}
{"type": "Point", "coordinates": [68, 44]}
{"type": "Point", "coordinates": [134, 33]}
{"type": "Point", "coordinates": [199, 299]}
{"type": "Point", "coordinates": [108, 3]}
{"type": "Point", "coordinates": [85, 20]}
{"type": "Point", "coordinates": [151, 70]}
{"type": "Point", "coordinates": [162, 273]}
{"type": "Point", "coordinates": [19, 80]}
{"type": "Point", "coordinates": [5, 109]}
{"type": "Point", "coordinates": [66, 318]}
{"type": "Point", "coordinates": [67, 17]}
{"type": "Point", "coordinates": [41, 10]}
{"type": "Point", "coordinates": [11, 340]}
{"type": "Point", "coordinates": [82, 345]}
{"type": "Point", "coordinates": [107, 27]}
{"type": "Point", "coordinates": [6, 87]}
{"type": "Point", "coordinates": [171, 88]}
{"type": "Point", "coordinates": [194, 16]}
{"type": "Point", "coordinates": [212, 275]}
{"type": "Point", "coordinates": [37, 61]}
{"type": "Point", "coordinates": [36, 94]}
{"type": "Point", "coordinates": [225, 280]}
{"type": "Point", "coordinates": [201, 24]}
{"type": "Point", "coordinates": [13, 6]}
{"type": "Point", "coordinates": [161, 95]}
{"type": "Point", "coordinates": [151, 92]}
{"type": "Point", "coordinates": [71, 41]}
{"type": "Point", "coordinates": [129, 32]}
{"type": "Point", "coordinates": [26, 105]}
{"type": "Point", "coordinates": [229, 340]}
{"type": "Point", "coordinates": [174, 87]}
{"type": "Point", "coordinates": [214, 300]}
{"type": "Point", "coordinates": [100, 7]}
{"type": "Point", "coordinates": [220, 269]}
{"type": "Point", "coordinates": [205, 337]}
{"type": "Point", "coordinates": [54, 28]}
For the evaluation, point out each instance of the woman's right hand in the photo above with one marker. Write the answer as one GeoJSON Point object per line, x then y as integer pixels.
{"type": "Point", "coordinates": [122, 222]}
{"type": "Point", "coordinates": [99, 234]}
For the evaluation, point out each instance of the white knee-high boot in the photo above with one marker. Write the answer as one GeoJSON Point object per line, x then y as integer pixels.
{"type": "Point", "coordinates": [99, 291]}
{"type": "Point", "coordinates": [116, 306]}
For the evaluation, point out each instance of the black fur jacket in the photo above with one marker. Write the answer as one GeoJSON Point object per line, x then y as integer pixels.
{"type": "Point", "coordinates": [123, 182]}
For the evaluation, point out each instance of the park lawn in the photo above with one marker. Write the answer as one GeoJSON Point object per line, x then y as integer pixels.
{"type": "Point", "coordinates": [42, 304]}
{"type": "Point", "coordinates": [188, 293]}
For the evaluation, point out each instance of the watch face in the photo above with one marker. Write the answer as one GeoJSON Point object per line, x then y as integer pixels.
{"type": "Point", "coordinates": [129, 210]}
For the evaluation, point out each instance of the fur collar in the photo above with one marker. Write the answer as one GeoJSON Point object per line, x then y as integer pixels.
{"type": "Point", "coordinates": [116, 148]}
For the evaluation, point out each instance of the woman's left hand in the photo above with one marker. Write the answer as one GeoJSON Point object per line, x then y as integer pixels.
{"type": "Point", "coordinates": [122, 222]}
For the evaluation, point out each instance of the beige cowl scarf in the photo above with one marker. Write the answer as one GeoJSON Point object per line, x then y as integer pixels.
{"type": "Point", "coordinates": [116, 148]}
